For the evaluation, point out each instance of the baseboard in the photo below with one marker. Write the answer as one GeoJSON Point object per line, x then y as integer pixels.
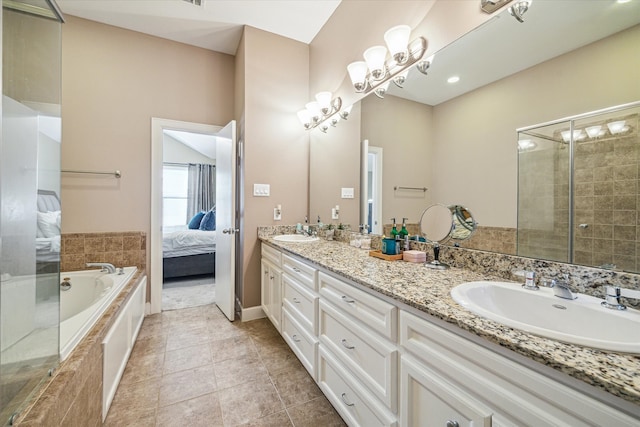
{"type": "Point", "coordinates": [251, 313]}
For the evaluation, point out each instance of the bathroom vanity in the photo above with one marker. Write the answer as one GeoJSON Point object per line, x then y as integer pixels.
{"type": "Point", "coordinates": [388, 346]}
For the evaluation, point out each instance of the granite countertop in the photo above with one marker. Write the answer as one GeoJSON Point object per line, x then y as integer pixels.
{"type": "Point", "coordinates": [428, 290]}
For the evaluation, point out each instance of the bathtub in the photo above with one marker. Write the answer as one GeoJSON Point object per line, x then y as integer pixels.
{"type": "Point", "coordinates": [81, 306]}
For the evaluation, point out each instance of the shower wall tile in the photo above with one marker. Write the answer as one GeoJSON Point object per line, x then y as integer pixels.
{"type": "Point", "coordinates": [122, 249]}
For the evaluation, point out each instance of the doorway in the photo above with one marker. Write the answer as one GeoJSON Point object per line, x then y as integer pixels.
{"type": "Point", "coordinates": [188, 219]}
{"type": "Point", "coordinates": [371, 187]}
{"type": "Point", "coordinates": [185, 256]}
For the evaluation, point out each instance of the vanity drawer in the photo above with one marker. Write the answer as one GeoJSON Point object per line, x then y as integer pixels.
{"type": "Point", "coordinates": [373, 360]}
{"type": "Point", "coordinates": [351, 400]}
{"type": "Point", "coordinates": [373, 312]}
{"type": "Point", "coordinates": [301, 302]}
{"type": "Point", "coordinates": [301, 342]}
{"type": "Point", "coordinates": [272, 254]}
{"type": "Point", "coordinates": [301, 272]}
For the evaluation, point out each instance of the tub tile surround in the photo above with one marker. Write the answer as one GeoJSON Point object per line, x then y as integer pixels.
{"type": "Point", "coordinates": [428, 291]}
{"type": "Point", "coordinates": [73, 395]}
{"type": "Point", "coordinates": [122, 249]}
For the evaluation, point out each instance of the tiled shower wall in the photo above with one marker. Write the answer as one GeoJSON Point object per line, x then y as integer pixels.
{"type": "Point", "coordinates": [606, 202]}
{"type": "Point", "coordinates": [122, 249]}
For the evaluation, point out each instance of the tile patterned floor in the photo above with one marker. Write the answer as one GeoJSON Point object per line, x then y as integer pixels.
{"type": "Point", "coordinates": [192, 367]}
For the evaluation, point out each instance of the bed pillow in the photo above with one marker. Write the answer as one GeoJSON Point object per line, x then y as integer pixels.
{"type": "Point", "coordinates": [194, 223]}
{"type": "Point", "coordinates": [209, 221]}
{"type": "Point", "coordinates": [49, 223]}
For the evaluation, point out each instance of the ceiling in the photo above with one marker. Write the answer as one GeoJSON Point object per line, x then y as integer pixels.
{"type": "Point", "coordinates": [216, 25]}
{"type": "Point", "coordinates": [503, 46]}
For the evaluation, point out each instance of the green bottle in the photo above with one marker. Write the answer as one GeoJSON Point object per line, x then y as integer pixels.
{"type": "Point", "coordinates": [403, 231]}
{"type": "Point", "coordinates": [394, 230]}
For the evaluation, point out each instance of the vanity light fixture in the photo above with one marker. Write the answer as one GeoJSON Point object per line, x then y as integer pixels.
{"type": "Point", "coordinates": [594, 131]}
{"type": "Point", "coordinates": [400, 78]}
{"type": "Point", "coordinates": [377, 69]}
{"type": "Point", "coordinates": [617, 127]}
{"type": "Point", "coordinates": [577, 135]}
{"type": "Point", "coordinates": [344, 114]}
{"type": "Point", "coordinates": [490, 6]}
{"type": "Point", "coordinates": [317, 112]}
{"type": "Point", "coordinates": [519, 8]}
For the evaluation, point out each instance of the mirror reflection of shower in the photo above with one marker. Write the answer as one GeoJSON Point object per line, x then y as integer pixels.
{"type": "Point", "coordinates": [578, 189]}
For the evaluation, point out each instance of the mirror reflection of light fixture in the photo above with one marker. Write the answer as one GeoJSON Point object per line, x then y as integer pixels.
{"type": "Point", "coordinates": [377, 69]}
{"type": "Point", "coordinates": [400, 78]}
{"type": "Point", "coordinates": [344, 114]}
{"type": "Point", "coordinates": [617, 127]}
{"type": "Point", "coordinates": [519, 8]}
{"type": "Point", "coordinates": [526, 145]}
{"type": "Point", "coordinates": [453, 79]}
{"type": "Point", "coordinates": [381, 90]}
{"type": "Point", "coordinates": [577, 135]}
{"type": "Point", "coordinates": [424, 65]}
{"type": "Point", "coordinates": [594, 131]}
{"type": "Point", "coordinates": [318, 111]}
{"type": "Point", "coordinates": [490, 6]}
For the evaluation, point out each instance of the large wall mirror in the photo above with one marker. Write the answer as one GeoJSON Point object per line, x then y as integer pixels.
{"type": "Point", "coordinates": [458, 140]}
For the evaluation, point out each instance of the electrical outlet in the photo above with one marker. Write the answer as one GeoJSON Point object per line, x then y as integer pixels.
{"type": "Point", "coordinates": [334, 214]}
{"type": "Point", "coordinates": [277, 213]}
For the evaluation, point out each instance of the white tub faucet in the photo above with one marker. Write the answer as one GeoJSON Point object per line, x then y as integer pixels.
{"type": "Point", "coordinates": [109, 268]}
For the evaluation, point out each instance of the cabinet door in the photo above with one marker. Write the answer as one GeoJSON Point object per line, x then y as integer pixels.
{"type": "Point", "coordinates": [430, 400]}
{"type": "Point", "coordinates": [271, 293]}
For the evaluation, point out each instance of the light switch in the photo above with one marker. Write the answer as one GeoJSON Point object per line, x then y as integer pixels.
{"type": "Point", "coordinates": [347, 193]}
{"type": "Point", "coordinates": [261, 190]}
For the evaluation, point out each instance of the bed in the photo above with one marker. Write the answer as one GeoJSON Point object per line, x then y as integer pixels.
{"type": "Point", "coordinates": [187, 252]}
{"type": "Point", "coordinates": [48, 232]}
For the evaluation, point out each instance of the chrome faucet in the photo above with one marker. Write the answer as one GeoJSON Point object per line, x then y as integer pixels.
{"type": "Point", "coordinates": [613, 295]}
{"type": "Point", "coordinates": [105, 266]}
{"type": "Point", "coordinates": [562, 290]}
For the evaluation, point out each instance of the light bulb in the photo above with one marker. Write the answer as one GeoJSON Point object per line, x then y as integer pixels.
{"type": "Point", "coordinates": [324, 101]}
{"type": "Point", "coordinates": [397, 39]}
{"type": "Point", "coordinates": [358, 74]}
{"type": "Point", "coordinates": [577, 135]}
{"type": "Point", "coordinates": [593, 131]}
{"type": "Point", "coordinates": [314, 110]}
{"type": "Point", "coordinates": [375, 57]}
{"type": "Point", "coordinates": [617, 127]}
{"type": "Point", "coordinates": [305, 117]}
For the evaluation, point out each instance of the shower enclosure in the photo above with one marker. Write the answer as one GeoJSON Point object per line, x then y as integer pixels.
{"type": "Point", "coordinates": [578, 192]}
{"type": "Point", "coordinates": [29, 229]}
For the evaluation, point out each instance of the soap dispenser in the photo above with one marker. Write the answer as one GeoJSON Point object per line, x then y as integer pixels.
{"type": "Point", "coordinates": [403, 231]}
{"type": "Point", "coordinates": [394, 230]}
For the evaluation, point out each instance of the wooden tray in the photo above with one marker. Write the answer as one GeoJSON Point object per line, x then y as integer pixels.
{"type": "Point", "coordinates": [379, 254]}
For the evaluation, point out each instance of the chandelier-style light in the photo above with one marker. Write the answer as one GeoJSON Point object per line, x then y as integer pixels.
{"type": "Point", "coordinates": [383, 64]}
{"type": "Point", "coordinates": [317, 112]}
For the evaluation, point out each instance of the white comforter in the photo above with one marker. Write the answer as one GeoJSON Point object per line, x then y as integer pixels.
{"type": "Point", "coordinates": [188, 238]}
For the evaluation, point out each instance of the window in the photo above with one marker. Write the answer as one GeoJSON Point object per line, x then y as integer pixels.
{"type": "Point", "coordinates": [175, 184]}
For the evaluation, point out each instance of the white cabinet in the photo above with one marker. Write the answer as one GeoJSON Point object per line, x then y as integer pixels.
{"type": "Point", "coordinates": [271, 285]}
{"type": "Point", "coordinates": [482, 382]}
{"type": "Point", "coordinates": [430, 400]}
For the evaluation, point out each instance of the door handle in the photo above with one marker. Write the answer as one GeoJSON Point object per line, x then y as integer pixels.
{"type": "Point", "coordinates": [231, 230]}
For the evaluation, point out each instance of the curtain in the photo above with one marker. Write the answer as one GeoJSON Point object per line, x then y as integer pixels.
{"type": "Point", "coordinates": [201, 194]}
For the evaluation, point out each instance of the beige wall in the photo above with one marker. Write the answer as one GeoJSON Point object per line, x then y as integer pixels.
{"type": "Point", "coordinates": [406, 142]}
{"type": "Point", "coordinates": [276, 146]}
{"type": "Point", "coordinates": [114, 81]}
{"type": "Point", "coordinates": [475, 136]}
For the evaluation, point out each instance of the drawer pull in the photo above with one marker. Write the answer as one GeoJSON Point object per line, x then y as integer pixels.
{"type": "Point", "coordinates": [344, 399]}
{"type": "Point", "coordinates": [346, 345]}
{"type": "Point", "coordinates": [296, 300]}
{"type": "Point", "coordinates": [271, 277]}
{"type": "Point", "coordinates": [295, 338]}
{"type": "Point", "coordinates": [452, 424]}
{"type": "Point", "coordinates": [297, 270]}
{"type": "Point", "coordinates": [347, 299]}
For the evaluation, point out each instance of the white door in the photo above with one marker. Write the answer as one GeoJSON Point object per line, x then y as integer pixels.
{"type": "Point", "coordinates": [226, 232]}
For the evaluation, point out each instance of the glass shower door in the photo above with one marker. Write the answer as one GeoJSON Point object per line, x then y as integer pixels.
{"type": "Point", "coordinates": [544, 198]}
{"type": "Point", "coordinates": [29, 168]}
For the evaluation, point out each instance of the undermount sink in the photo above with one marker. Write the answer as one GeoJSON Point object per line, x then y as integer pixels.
{"type": "Point", "coordinates": [294, 238]}
{"type": "Point", "coordinates": [582, 321]}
